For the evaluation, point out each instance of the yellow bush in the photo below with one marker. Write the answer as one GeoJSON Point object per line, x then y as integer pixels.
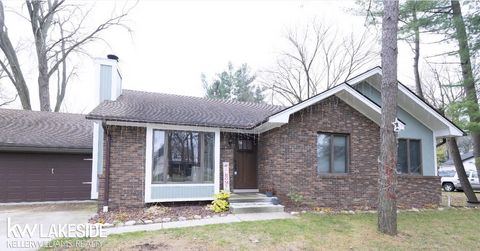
{"type": "Point", "coordinates": [220, 204]}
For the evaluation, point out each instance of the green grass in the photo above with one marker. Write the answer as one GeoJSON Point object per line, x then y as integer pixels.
{"type": "Point", "coordinates": [452, 229]}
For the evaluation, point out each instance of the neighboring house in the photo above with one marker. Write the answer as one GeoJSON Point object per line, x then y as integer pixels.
{"type": "Point", "coordinates": [163, 148]}
{"type": "Point", "coordinates": [467, 159]}
{"type": "Point", "coordinates": [44, 156]}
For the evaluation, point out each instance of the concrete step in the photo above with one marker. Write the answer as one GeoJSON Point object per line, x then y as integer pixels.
{"type": "Point", "coordinates": [255, 207]}
{"type": "Point", "coordinates": [249, 197]}
{"type": "Point", "coordinates": [253, 200]}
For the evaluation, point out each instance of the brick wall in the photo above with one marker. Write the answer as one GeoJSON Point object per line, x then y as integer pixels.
{"type": "Point", "coordinates": [226, 155]}
{"type": "Point", "coordinates": [287, 161]}
{"type": "Point", "coordinates": [127, 168]}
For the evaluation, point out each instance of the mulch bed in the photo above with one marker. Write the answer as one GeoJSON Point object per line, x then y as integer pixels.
{"type": "Point", "coordinates": [155, 212]}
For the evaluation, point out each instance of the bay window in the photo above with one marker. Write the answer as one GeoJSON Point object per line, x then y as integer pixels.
{"type": "Point", "coordinates": [183, 157]}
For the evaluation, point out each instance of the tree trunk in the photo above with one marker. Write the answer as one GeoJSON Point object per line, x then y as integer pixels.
{"type": "Point", "coordinates": [416, 72]}
{"type": "Point", "coordinates": [462, 176]}
{"type": "Point", "coordinates": [40, 26]}
{"type": "Point", "coordinates": [468, 80]}
{"type": "Point", "coordinates": [15, 73]}
{"type": "Point", "coordinates": [387, 199]}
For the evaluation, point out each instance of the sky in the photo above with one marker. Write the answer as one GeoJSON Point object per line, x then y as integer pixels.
{"type": "Point", "coordinates": [173, 42]}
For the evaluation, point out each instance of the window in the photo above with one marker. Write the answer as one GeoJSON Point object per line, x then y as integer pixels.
{"type": "Point", "coordinates": [332, 153]}
{"type": "Point", "coordinates": [245, 145]}
{"type": "Point", "coordinates": [182, 157]}
{"type": "Point", "coordinates": [409, 156]}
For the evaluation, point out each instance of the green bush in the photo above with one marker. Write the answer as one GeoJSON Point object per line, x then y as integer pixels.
{"type": "Point", "coordinates": [220, 204]}
{"type": "Point", "coordinates": [296, 198]}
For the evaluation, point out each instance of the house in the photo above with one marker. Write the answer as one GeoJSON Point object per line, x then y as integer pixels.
{"type": "Point", "coordinates": [467, 159]}
{"type": "Point", "coordinates": [44, 156]}
{"type": "Point", "coordinates": [162, 148]}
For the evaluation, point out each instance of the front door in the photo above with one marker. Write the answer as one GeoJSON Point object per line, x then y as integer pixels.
{"type": "Point", "coordinates": [245, 166]}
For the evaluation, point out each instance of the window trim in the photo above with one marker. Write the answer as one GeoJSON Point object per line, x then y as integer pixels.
{"type": "Point", "coordinates": [347, 153]}
{"type": "Point", "coordinates": [408, 156]}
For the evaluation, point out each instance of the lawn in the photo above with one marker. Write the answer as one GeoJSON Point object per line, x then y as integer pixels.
{"type": "Point", "coordinates": [457, 199]}
{"type": "Point", "coordinates": [450, 229]}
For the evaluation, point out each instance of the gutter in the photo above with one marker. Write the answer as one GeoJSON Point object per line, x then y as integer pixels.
{"type": "Point", "coordinates": [107, 167]}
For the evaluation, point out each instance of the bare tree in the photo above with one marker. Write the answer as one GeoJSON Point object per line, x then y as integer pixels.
{"type": "Point", "coordinates": [471, 98]}
{"type": "Point", "coordinates": [318, 58]}
{"type": "Point", "coordinates": [10, 65]}
{"type": "Point", "coordinates": [443, 91]}
{"type": "Point", "coordinates": [59, 30]}
{"type": "Point", "coordinates": [387, 197]}
{"type": "Point", "coordinates": [4, 98]}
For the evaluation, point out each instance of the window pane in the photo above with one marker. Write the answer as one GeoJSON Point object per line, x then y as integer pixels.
{"type": "Point", "coordinates": [402, 161]}
{"type": "Point", "coordinates": [323, 153]}
{"type": "Point", "coordinates": [183, 155]}
{"type": "Point", "coordinates": [474, 174]}
{"type": "Point", "coordinates": [159, 166]}
{"type": "Point", "coordinates": [340, 154]}
{"type": "Point", "coordinates": [208, 157]}
{"type": "Point", "coordinates": [415, 157]}
{"type": "Point", "coordinates": [245, 144]}
{"type": "Point", "coordinates": [180, 156]}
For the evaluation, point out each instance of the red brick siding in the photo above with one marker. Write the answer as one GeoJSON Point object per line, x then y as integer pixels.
{"type": "Point", "coordinates": [287, 161]}
{"type": "Point", "coordinates": [226, 155]}
{"type": "Point", "coordinates": [127, 168]}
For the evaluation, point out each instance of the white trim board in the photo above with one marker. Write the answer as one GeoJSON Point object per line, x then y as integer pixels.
{"type": "Point", "coordinates": [342, 91]}
{"type": "Point", "coordinates": [450, 130]}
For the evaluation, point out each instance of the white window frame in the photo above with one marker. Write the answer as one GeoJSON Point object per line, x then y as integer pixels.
{"type": "Point", "coordinates": [149, 156]}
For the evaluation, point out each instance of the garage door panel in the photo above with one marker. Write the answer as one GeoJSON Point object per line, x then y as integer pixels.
{"type": "Point", "coordinates": [28, 177]}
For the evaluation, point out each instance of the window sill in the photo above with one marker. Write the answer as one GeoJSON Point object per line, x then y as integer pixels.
{"type": "Point", "coordinates": [413, 176]}
{"type": "Point", "coordinates": [332, 175]}
{"type": "Point", "coordinates": [182, 184]}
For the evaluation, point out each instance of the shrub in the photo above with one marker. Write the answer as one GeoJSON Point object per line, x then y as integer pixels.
{"type": "Point", "coordinates": [220, 204]}
{"type": "Point", "coordinates": [296, 198]}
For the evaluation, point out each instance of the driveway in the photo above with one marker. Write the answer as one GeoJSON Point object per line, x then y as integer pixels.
{"type": "Point", "coordinates": [44, 214]}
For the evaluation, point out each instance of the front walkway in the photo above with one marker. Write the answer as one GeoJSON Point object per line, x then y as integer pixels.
{"type": "Point", "coordinates": [44, 215]}
{"type": "Point", "coordinates": [231, 218]}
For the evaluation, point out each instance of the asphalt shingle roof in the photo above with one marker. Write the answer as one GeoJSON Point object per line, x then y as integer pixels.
{"type": "Point", "coordinates": [138, 106]}
{"type": "Point", "coordinates": [35, 129]}
{"type": "Point", "coordinates": [464, 157]}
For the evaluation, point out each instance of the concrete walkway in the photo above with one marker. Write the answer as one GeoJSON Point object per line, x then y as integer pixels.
{"type": "Point", "coordinates": [231, 218]}
{"type": "Point", "coordinates": [42, 214]}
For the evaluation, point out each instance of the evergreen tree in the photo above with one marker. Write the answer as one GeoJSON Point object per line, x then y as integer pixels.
{"type": "Point", "coordinates": [235, 84]}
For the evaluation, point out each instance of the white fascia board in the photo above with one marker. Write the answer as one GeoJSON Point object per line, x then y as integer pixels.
{"type": "Point", "coordinates": [364, 76]}
{"type": "Point", "coordinates": [182, 127]}
{"type": "Point", "coordinates": [453, 131]}
{"type": "Point", "coordinates": [283, 117]}
{"type": "Point", "coordinates": [164, 126]}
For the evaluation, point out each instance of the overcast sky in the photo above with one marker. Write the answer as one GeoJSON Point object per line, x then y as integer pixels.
{"type": "Point", "coordinates": [173, 42]}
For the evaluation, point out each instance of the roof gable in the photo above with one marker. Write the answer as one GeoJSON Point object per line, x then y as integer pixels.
{"type": "Point", "coordinates": [411, 103]}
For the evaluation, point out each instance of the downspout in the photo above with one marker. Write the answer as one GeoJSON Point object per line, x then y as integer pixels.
{"type": "Point", "coordinates": [107, 167]}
